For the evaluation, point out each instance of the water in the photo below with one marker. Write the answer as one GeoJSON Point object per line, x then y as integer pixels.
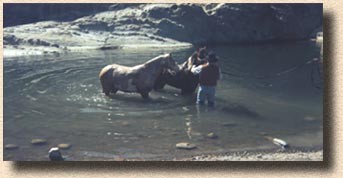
{"type": "Point", "coordinates": [60, 99]}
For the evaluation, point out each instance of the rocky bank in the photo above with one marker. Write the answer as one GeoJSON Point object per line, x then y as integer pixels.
{"type": "Point", "coordinates": [165, 25]}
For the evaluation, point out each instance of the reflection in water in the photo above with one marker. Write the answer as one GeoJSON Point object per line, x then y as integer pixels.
{"type": "Point", "coordinates": [61, 100]}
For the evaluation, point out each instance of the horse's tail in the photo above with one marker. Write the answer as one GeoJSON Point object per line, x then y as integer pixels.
{"type": "Point", "coordinates": [105, 79]}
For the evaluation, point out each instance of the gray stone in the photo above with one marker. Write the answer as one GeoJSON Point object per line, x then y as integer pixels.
{"type": "Point", "coordinates": [185, 145]}
{"type": "Point", "coordinates": [38, 141]}
{"type": "Point", "coordinates": [11, 147]}
{"type": "Point", "coordinates": [64, 146]}
{"type": "Point", "coordinates": [212, 135]}
{"type": "Point", "coordinates": [55, 154]}
{"type": "Point", "coordinates": [171, 23]}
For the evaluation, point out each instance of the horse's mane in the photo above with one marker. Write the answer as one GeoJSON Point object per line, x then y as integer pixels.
{"type": "Point", "coordinates": [163, 56]}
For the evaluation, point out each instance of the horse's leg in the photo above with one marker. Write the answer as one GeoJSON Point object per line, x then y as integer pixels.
{"type": "Point", "coordinates": [144, 94]}
{"type": "Point", "coordinates": [159, 85]}
{"type": "Point", "coordinates": [160, 82]}
{"type": "Point", "coordinates": [106, 88]}
{"type": "Point", "coordinates": [114, 90]}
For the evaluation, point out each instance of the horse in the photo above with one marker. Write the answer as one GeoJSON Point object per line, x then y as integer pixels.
{"type": "Point", "coordinates": [140, 78]}
{"type": "Point", "coordinates": [184, 79]}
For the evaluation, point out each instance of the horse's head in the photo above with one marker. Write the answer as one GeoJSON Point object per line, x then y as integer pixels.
{"type": "Point", "coordinates": [169, 63]}
{"type": "Point", "coordinates": [197, 58]}
{"type": "Point", "coordinates": [202, 53]}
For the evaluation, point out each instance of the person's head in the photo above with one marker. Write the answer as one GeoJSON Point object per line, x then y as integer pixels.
{"type": "Point", "coordinates": [202, 53]}
{"type": "Point", "coordinates": [212, 58]}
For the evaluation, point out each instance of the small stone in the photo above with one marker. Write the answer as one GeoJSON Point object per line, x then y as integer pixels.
{"type": "Point", "coordinates": [212, 135]}
{"type": "Point", "coordinates": [38, 141]}
{"type": "Point", "coordinates": [185, 145]}
{"type": "Point", "coordinates": [185, 108]}
{"type": "Point", "coordinates": [55, 154]}
{"type": "Point", "coordinates": [11, 147]}
{"type": "Point", "coordinates": [64, 146]}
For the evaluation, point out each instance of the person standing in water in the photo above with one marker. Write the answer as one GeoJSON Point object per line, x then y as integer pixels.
{"type": "Point", "coordinates": [209, 74]}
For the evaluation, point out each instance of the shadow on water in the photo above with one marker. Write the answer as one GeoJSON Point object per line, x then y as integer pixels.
{"type": "Point", "coordinates": [240, 110]}
{"type": "Point", "coordinates": [328, 131]}
{"type": "Point", "coordinates": [138, 99]}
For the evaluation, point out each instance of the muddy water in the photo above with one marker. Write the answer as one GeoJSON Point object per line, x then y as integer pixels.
{"type": "Point", "coordinates": [59, 99]}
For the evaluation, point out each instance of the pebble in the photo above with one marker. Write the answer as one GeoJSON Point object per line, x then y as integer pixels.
{"type": "Point", "coordinates": [185, 108]}
{"type": "Point", "coordinates": [55, 154]}
{"type": "Point", "coordinates": [11, 147]}
{"type": "Point", "coordinates": [38, 141]}
{"type": "Point", "coordinates": [212, 135]}
{"type": "Point", "coordinates": [64, 146]}
{"type": "Point", "coordinates": [185, 145]}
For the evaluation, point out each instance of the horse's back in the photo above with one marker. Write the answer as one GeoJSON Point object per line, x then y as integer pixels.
{"type": "Point", "coordinates": [104, 70]}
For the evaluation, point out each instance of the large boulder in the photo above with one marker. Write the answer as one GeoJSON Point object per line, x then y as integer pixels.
{"type": "Point", "coordinates": [163, 24]}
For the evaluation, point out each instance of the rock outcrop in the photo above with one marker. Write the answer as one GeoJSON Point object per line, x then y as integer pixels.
{"type": "Point", "coordinates": [172, 25]}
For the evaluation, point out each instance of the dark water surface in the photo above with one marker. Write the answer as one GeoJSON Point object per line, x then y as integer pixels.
{"type": "Point", "coordinates": [60, 99]}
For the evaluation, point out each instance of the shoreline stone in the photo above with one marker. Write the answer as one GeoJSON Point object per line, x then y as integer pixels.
{"type": "Point", "coordinates": [64, 146]}
{"type": "Point", "coordinates": [38, 141]}
{"type": "Point", "coordinates": [11, 147]}
{"type": "Point", "coordinates": [185, 145]}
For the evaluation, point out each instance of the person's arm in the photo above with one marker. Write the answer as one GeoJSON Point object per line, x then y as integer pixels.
{"type": "Point", "coordinates": [220, 74]}
{"type": "Point", "coordinates": [190, 63]}
{"type": "Point", "coordinates": [196, 70]}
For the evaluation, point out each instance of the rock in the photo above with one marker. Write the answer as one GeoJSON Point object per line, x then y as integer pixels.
{"type": "Point", "coordinates": [212, 135]}
{"type": "Point", "coordinates": [38, 141]}
{"type": "Point", "coordinates": [163, 24]}
{"type": "Point", "coordinates": [64, 146]}
{"type": "Point", "coordinates": [55, 154]}
{"type": "Point", "coordinates": [11, 147]}
{"type": "Point", "coordinates": [185, 108]}
{"type": "Point", "coordinates": [281, 143]}
{"type": "Point", "coordinates": [185, 145]}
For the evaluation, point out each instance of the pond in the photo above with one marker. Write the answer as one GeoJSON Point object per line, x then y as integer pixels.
{"type": "Point", "coordinates": [265, 89]}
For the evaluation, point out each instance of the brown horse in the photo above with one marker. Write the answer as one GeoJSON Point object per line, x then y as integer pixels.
{"type": "Point", "coordinates": [139, 78]}
{"type": "Point", "coordinates": [184, 79]}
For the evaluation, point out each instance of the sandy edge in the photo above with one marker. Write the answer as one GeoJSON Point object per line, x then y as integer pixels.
{"type": "Point", "coordinates": [260, 156]}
